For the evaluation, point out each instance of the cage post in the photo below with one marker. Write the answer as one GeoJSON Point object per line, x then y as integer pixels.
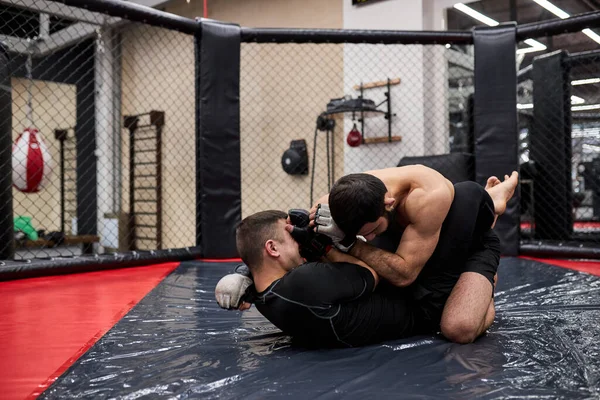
{"type": "Point", "coordinates": [7, 236]}
{"type": "Point", "coordinates": [131, 124]}
{"type": "Point", "coordinates": [550, 143]}
{"type": "Point", "coordinates": [495, 119]}
{"type": "Point", "coordinates": [218, 153]}
{"type": "Point", "coordinates": [61, 136]}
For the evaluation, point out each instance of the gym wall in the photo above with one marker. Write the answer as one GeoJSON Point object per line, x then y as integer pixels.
{"type": "Point", "coordinates": [283, 88]}
{"type": "Point", "coordinates": [419, 101]}
{"type": "Point", "coordinates": [158, 74]}
{"type": "Point", "coordinates": [54, 107]}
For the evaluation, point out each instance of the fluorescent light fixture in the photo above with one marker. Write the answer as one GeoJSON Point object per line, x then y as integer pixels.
{"type": "Point", "coordinates": [577, 100]}
{"type": "Point", "coordinates": [586, 108]}
{"type": "Point", "coordinates": [562, 14]}
{"type": "Point", "coordinates": [535, 45]}
{"type": "Point", "coordinates": [587, 133]}
{"type": "Point", "coordinates": [588, 81]}
{"type": "Point", "coordinates": [529, 106]}
{"type": "Point", "coordinates": [552, 8]}
{"type": "Point", "coordinates": [476, 14]}
{"type": "Point", "coordinates": [591, 34]}
{"type": "Point", "coordinates": [591, 147]}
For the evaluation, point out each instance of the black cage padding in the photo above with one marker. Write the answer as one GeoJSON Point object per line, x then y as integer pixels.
{"type": "Point", "coordinates": [218, 154]}
{"type": "Point", "coordinates": [495, 119]}
{"type": "Point", "coordinates": [7, 249]}
{"type": "Point", "coordinates": [550, 147]}
{"type": "Point", "coordinates": [456, 167]}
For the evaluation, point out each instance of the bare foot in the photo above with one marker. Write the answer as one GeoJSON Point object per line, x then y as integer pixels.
{"type": "Point", "coordinates": [501, 192]}
{"type": "Point", "coordinates": [491, 182]}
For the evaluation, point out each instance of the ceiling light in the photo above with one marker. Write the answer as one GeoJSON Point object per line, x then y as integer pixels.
{"type": "Point", "coordinates": [562, 14]}
{"type": "Point", "coordinates": [476, 14]}
{"type": "Point", "coordinates": [577, 100]}
{"type": "Point", "coordinates": [529, 106]}
{"type": "Point", "coordinates": [535, 45]}
{"type": "Point", "coordinates": [591, 34]}
{"type": "Point", "coordinates": [552, 8]}
{"type": "Point", "coordinates": [591, 147]}
{"type": "Point", "coordinates": [586, 133]}
{"type": "Point", "coordinates": [585, 81]}
{"type": "Point", "coordinates": [586, 108]}
{"type": "Point", "coordinates": [525, 106]}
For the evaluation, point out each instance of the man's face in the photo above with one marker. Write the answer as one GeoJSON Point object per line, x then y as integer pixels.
{"type": "Point", "coordinates": [372, 229]}
{"type": "Point", "coordinates": [288, 248]}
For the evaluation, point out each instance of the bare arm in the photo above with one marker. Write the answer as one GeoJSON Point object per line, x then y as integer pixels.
{"type": "Point", "coordinates": [428, 211]}
{"type": "Point", "coordinates": [337, 256]}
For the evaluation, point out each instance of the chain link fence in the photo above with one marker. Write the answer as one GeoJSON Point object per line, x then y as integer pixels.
{"type": "Point", "coordinates": [311, 113]}
{"type": "Point", "coordinates": [559, 128]}
{"type": "Point", "coordinates": [103, 130]}
{"type": "Point", "coordinates": [103, 123]}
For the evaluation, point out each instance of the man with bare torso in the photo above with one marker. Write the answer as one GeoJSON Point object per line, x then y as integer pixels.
{"type": "Point", "coordinates": [413, 217]}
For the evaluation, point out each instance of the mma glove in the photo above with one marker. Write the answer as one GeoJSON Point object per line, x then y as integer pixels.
{"type": "Point", "coordinates": [327, 226]}
{"type": "Point", "coordinates": [313, 246]}
{"type": "Point", "coordinates": [233, 289]}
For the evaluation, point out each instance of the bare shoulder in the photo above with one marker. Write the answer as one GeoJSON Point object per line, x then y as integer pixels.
{"type": "Point", "coordinates": [395, 172]}
{"type": "Point", "coordinates": [424, 207]}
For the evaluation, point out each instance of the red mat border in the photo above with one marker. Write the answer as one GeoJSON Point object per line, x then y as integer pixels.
{"type": "Point", "coordinates": [588, 266]}
{"type": "Point", "coordinates": [74, 356]}
{"type": "Point", "coordinates": [219, 260]}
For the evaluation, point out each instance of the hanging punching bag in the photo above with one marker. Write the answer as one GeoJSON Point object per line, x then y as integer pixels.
{"type": "Point", "coordinates": [31, 162]}
{"type": "Point", "coordinates": [354, 138]}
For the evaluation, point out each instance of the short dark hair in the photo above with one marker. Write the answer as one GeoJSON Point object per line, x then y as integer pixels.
{"type": "Point", "coordinates": [355, 200]}
{"type": "Point", "coordinates": [252, 233]}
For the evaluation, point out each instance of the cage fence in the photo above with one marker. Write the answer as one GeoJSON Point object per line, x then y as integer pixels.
{"type": "Point", "coordinates": [103, 130]}
{"type": "Point", "coordinates": [559, 133]}
{"type": "Point", "coordinates": [103, 117]}
{"type": "Point", "coordinates": [311, 113]}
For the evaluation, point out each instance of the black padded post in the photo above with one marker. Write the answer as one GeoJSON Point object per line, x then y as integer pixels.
{"type": "Point", "coordinates": [7, 236]}
{"type": "Point", "coordinates": [218, 172]}
{"type": "Point", "coordinates": [495, 119]}
{"type": "Point", "coordinates": [85, 134]}
{"type": "Point", "coordinates": [550, 147]}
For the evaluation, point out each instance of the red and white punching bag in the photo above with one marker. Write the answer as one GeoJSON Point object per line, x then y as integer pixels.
{"type": "Point", "coordinates": [31, 162]}
{"type": "Point", "coordinates": [354, 138]}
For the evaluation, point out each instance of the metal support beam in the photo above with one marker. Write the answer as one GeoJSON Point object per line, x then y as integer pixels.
{"type": "Point", "coordinates": [44, 26]}
{"type": "Point", "coordinates": [513, 10]}
{"type": "Point", "coordinates": [73, 34]}
{"type": "Point", "coordinates": [65, 37]}
{"type": "Point", "coordinates": [57, 10]}
{"type": "Point", "coordinates": [14, 44]}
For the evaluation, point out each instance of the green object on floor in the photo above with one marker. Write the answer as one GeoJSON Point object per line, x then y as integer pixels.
{"type": "Point", "coordinates": [23, 224]}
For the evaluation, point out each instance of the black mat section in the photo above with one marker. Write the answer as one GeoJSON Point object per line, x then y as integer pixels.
{"type": "Point", "coordinates": [177, 343]}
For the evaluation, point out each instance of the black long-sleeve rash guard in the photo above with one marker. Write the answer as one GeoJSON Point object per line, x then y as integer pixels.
{"type": "Point", "coordinates": [334, 304]}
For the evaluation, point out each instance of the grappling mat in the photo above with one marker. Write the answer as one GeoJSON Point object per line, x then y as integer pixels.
{"type": "Point", "coordinates": [177, 343]}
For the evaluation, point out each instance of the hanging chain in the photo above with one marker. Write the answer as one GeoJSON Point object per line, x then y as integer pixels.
{"type": "Point", "coordinates": [29, 68]}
